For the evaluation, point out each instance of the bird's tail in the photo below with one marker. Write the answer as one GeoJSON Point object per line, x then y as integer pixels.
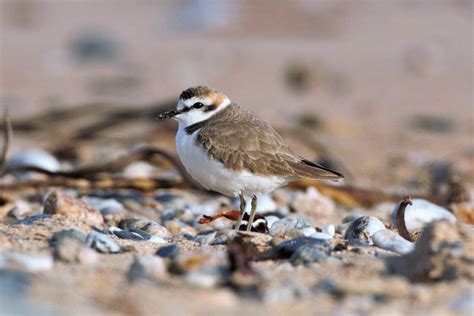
{"type": "Point", "coordinates": [307, 169]}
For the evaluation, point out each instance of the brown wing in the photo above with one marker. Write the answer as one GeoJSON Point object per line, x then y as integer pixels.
{"type": "Point", "coordinates": [241, 140]}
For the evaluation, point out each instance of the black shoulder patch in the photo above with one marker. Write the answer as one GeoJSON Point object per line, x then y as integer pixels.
{"type": "Point", "coordinates": [194, 127]}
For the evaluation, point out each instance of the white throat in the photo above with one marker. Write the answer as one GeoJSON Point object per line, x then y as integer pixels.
{"type": "Point", "coordinates": [197, 115]}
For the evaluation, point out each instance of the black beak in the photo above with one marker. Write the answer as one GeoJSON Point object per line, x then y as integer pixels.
{"type": "Point", "coordinates": [167, 114]}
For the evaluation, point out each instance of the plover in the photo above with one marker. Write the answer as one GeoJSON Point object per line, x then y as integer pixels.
{"type": "Point", "coordinates": [229, 150]}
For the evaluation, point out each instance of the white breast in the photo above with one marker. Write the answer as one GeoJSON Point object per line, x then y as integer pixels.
{"type": "Point", "coordinates": [213, 175]}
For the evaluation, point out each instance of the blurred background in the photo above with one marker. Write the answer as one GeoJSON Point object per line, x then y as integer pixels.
{"type": "Point", "coordinates": [377, 83]}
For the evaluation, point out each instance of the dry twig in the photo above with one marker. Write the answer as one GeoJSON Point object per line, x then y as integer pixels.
{"type": "Point", "coordinates": [402, 227]}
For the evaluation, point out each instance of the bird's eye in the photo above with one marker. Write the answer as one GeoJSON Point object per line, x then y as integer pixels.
{"type": "Point", "coordinates": [198, 105]}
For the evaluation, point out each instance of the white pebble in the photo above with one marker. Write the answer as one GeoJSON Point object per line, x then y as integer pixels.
{"type": "Point", "coordinates": [389, 240]}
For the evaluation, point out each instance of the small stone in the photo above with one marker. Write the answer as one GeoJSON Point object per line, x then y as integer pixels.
{"type": "Point", "coordinates": [321, 236]}
{"type": "Point", "coordinates": [170, 251]}
{"type": "Point", "coordinates": [67, 233]}
{"type": "Point", "coordinates": [102, 243]}
{"type": "Point", "coordinates": [330, 230]}
{"type": "Point", "coordinates": [205, 239]}
{"type": "Point", "coordinates": [177, 227]}
{"type": "Point", "coordinates": [202, 279]}
{"type": "Point", "coordinates": [57, 202]}
{"type": "Point", "coordinates": [67, 250]}
{"type": "Point", "coordinates": [313, 204]}
{"type": "Point", "coordinates": [35, 158]}
{"type": "Point", "coordinates": [287, 248]}
{"type": "Point", "coordinates": [31, 219]}
{"type": "Point", "coordinates": [147, 267]}
{"type": "Point", "coordinates": [288, 290]}
{"type": "Point", "coordinates": [291, 227]}
{"type": "Point", "coordinates": [308, 254]}
{"type": "Point", "coordinates": [389, 240]}
{"type": "Point", "coordinates": [112, 211]}
{"type": "Point", "coordinates": [21, 209]}
{"type": "Point", "coordinates": [27, 262]}
{"type": "Point", "coordinates": [361, 230]}
{"type": "Point", "coordinates": [124, 234]}
{"type": "Point", "coordinates": [157, 230]}
{"type": "Point", "coordinates": [157, 240]}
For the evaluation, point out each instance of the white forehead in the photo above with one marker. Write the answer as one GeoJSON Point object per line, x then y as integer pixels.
{"type": "Point", "coordinates": [189, 102]}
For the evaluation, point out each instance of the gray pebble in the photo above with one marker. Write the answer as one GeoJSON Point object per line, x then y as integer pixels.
{"type": "Point", "coordinates": [147, 267]}
{"type": "Point", "coordinates": [287, 248]}
{"type": "Point", "coordinates": [31, 219]}
{"type": "Point", "coordinates": [170, 251]}
{"type": "Point", "coordinates": [291, 227]}
{"type": "Point", "coordinates": [205, 239]}
{"type": "Point", "coordinates": [308, 254]}
{"type": "Point", "coordinates": [102, 243]}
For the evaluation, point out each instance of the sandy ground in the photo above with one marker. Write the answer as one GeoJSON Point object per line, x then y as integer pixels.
{"type": "Point", "coordinates": [389, 81]}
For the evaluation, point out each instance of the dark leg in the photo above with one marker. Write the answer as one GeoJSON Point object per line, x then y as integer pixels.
{"type": "Point", "coordinates": [252, 214]}
{"type": "Point", "coordinates": [242, 211]}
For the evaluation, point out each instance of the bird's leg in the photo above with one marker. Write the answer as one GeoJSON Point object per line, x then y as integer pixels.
{"type": "Point", "coordinates": [252, 214]}
{"type": "Point", "coordinates": [242, 211]}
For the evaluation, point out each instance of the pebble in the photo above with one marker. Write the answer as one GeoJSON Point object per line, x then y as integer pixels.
{"type": "Point", "coordinates": [389, 240]}
{"type": "Point", "coordinates": [112, 211]}
{"type": "Point", "coordinates": [102, 243]}
{"type": "Point", "coordinates": [287, 290]}
{"type": "Point", "coordinates": [330, 230]}
{"type": "Point", "coordinates": [157, 240]}
{"type": "Point", "coordinates": [57, 202]}
{"type": "Point", "coordinates": [177, 227]}
{"type": "Point", "coordinates": [155, 229]}
{"type": "Point", "coordinates": [321, 236]}
{"type": "Point", "coordinates": [312, 204]}
{"type": "Point", "coordinates": [36, 158]}
{"type": "Point", "coordinates": [21, 209]}
{"type": "Point", "coordinates": [286, 248]}
{"type": "Point", "coordinates": [147, 267]}
{"type": "Point", "coordinates": [361, 230]}
{"type": "Point", "coordinates": [170, 251]}
{"type": "Point", "coordinates": [67, 233]}
{"type": "Point", "coordinates": [422, 212]}
{"type": "Point", "coordinates": [202, 279]}
{"type": "Point", "coordinates": [27, 262]}
{"type": "Point", "coordinates": [124, 234]}
{"type": "Point", "coordinates": [139, 169]}
{"type": "Point", "coordinates": [31, 219]}
{"type": "Point", "coordinates": [308, 254]}
{"type": "Point", "coordinates": [205, 239]}
{"type": "Point", "coordinates": [291, 227]}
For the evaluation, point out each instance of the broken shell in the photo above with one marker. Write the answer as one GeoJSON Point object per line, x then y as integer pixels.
{"type": "Point", "coordinates": [362, 229]}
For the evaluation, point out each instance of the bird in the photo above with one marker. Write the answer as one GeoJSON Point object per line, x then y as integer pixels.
{"type": "Point", "coordinates": [229, 150]}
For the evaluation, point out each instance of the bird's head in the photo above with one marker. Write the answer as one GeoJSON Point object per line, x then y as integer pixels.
{"type": "Point", "coordinates": [197, 104]}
